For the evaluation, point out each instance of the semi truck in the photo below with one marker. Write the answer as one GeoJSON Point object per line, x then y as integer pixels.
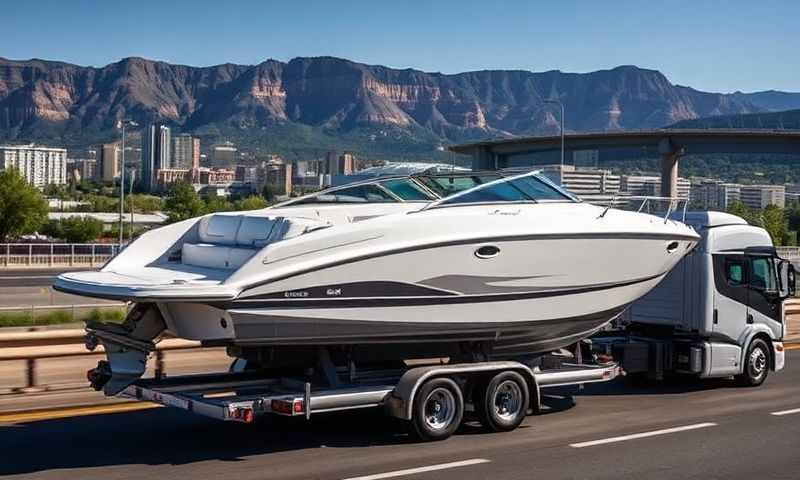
{"type": "Point", "coordinates": [719, 312]}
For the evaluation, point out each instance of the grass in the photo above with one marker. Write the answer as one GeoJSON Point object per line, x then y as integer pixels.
{"type": "Point", "coordinates": [23, 318]}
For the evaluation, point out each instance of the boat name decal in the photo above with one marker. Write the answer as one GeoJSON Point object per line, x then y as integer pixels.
{"type": "Point", "coordinates": [295, 294]}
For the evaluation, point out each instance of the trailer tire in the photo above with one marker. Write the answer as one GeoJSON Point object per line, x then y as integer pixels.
{"type": "Point", "coordinates": [756, 364]}
{"type": "Point", "coordinates": [438, 409]}
{"type": "Point", "coordinates": [502, 403]}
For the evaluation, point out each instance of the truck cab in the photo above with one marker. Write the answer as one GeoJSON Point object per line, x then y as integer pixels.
{"type": "Point", "coordinates": [719, 312]}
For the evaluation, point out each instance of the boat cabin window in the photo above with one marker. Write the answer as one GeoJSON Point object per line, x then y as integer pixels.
{"type": "Point", "coordinates": [519, 189]}
{"type": "Point", "coordinates": [406, 190]}
{"type": "Point", "coordinates": [356, 194]}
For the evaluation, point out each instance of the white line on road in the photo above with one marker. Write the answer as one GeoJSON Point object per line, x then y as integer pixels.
{"type": "Point", "coordinates": [27, 277]}
{"type": "Point", "coordinates": [786, 412]}
{"type": "Point", "coordinates": [642, 435]}
{"type": "Point", "coordinates": [431, 468]}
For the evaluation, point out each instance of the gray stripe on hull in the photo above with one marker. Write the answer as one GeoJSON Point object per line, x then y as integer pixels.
{"type": "Point", "coordinates": [505, 337]}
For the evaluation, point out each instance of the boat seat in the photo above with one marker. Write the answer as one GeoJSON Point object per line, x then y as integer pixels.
{"type": "Point", "coordinates": [229, 241]}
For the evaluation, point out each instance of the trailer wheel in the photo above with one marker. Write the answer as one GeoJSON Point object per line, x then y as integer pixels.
{"type": "Point", "coordinates": [756, 364]}
{"type": "Point", "coordinates": [502, 403]}
{"type": "Point", "coordinates": [438, 409]}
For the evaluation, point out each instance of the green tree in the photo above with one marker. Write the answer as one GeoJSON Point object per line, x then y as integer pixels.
{"type": "Point", "coordinates": [251, 203]}
{"type": "Point", "coordinates": [23, 209]}
{"type": "Point", "coordinates": [740, 210]}
{"type": "Point", "coordinates": [774, 222]}
{"type": "Point", "coordinates": [183, 203]}
{"type": "Point", "coordinates": [268, 192]}
{"type": "Point", "coordinates": [79, 229]}
{"type": "Point", "coordinates": [218, 204]}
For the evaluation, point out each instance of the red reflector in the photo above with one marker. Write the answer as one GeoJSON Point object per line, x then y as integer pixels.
{"type": "Point", "coordinates": [247, 415]}
{"type": "Point", "coordinates": [779, 347]}
{"type": "Point", "coordinates": [281, 406]}
{"type": "Point", "coordinates": [298, 407]}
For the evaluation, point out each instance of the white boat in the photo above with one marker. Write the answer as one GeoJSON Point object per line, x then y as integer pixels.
{"type": "Point", "coordinates": [467, 264]}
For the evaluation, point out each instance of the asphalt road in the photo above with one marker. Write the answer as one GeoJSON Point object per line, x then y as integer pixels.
{"type": "Point", "coordinates": [20, 288]}
{"type": "Point", "coordinates": [718, 431]}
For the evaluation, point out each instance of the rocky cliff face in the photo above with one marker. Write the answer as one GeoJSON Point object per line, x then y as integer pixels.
{"type": "Point", "coordinates": [340, 96]}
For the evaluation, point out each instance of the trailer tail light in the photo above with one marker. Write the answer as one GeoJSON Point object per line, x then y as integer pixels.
{"type": "Point", "coordinates": [287, 406]}
{"type": "Point", "coordinates": [778, 347]}
{"type": "Point", "coordinates": [244, 414]}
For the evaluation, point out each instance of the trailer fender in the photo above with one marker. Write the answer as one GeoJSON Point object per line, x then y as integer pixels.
{"type": "Point", "coordinates": [401, 401]}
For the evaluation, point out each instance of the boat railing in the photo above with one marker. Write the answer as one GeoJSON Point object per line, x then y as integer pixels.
{"type": "Point", "coordinates": [668, 208]}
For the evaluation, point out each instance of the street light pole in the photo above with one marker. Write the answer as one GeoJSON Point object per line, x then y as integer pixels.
{"type": "Point", "coordinates": [561, 106]}
{"type": "Point", "coordinates": [123, 124]}
{"type": "Point", "coordinates": [122, 189]}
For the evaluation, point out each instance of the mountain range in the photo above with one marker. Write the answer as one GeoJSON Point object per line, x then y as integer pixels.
{"type": "Point", "coordinates": [311, 103]}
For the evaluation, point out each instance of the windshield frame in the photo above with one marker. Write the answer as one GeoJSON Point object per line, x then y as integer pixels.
{"type": "Point", "coordinates": [446, 201]}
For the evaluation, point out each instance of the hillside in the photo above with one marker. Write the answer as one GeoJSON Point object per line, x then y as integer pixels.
{"type": "Point", "coordinates": [310, 104]}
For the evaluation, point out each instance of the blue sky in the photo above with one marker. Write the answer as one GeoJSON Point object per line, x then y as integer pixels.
{"type": "Point", "coordinates": [710, 45]}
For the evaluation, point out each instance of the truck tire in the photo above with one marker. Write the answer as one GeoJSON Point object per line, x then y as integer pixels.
{"type": "Point", "coordinates": [502, 403]}
{"type": "Point", "coordinates": [438, 409]}
{"type": "Point", "coordinates": [756, 364]}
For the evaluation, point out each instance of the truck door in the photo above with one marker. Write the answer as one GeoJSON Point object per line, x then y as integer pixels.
{"type": "Point", "coordinates": [730, 298]}
{"type": "Point", "coordinates": [763, 294]}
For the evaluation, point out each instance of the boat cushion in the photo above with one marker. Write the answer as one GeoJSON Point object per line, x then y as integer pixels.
{"type": "Point", "coordinates": [215, 256]}
{"type": "Point", "coordinates": [255, 231]}
{"type": "Point", "coordinates": [219, 229]}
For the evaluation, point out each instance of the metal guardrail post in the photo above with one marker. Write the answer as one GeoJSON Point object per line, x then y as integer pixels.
{"type": "Point", "coordinates": [93, 245]}
{"type": "Point", "coordinates": [30, 373]}
{"type": "Point", "coordinates": [30, 255]}
{"type": "Point", "coordinates": [159, 373]}
{"type": "Point", "coordinates": [50, 260]}
{"type": "Point", "coordinates": [72, 255]}
{"type": "Point", "coordinates": [8, 253]}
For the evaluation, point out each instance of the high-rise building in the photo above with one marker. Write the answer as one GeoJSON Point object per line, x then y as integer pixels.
{"type": "Point", "coordinates": [39, 165]}
{"type": "Point", "coordinates": [277, 175]}
{"type": "Point", "coordinates": [185, 152]}
{"type": "Point", "coordinates": [156, 149]}
{"type": "Point", "coordinates": [108, 157]}
{"type": "Point", "coordinates": [86, 168]}
{"type": "Point", "coordinates": [334, 164]}
{"type": "Point", "coordinates": [223, 154]}
{"type": "Point", "coordinates": [759, 197]}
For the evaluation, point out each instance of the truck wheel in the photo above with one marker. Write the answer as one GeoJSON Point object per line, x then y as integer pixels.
{"type": "Point", "coordinates": [438, 409]}
{"type": "Point", "coordinates": [502, 403]}
{"type": "Point", "coordinates": [756, 364]}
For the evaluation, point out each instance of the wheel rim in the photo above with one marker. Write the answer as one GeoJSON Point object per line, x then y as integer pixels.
{"type": "Point", "coordinates": [758, 362]}
{"type": "Point", "coordinates": [507, 400]}
{"type": "Point", "coordinates": [440, 408]}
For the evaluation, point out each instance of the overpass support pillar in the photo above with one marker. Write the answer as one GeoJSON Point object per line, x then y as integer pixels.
{"type": "Point", "coordinates": [670, 153]}
{"type": "Point", "coordinates": [669, 175]}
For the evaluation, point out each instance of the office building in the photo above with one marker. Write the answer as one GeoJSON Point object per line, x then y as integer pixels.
{"type": "Point", "coordinates": [156, 154]}
{"type": "Point", "coordinates": [216, 176]}
{"type": "Point", "coordinates": [86, 169]}
{"type": "Point", "coordinates": [334, 164]}
{"type": "Point", "coordinates": [758, 197]}
{"type": "Point", "coordinates": [166, 177]}
{"type": "Point", "coordinates": [223, 154]}
{"type": "Point", "coordinates": [589, 184]}
{"type": "Point", "coordinates": [247, 175]}
{"type": "Point", "coordinates": [185, 152]}
{"type": "Point", "coordinates": [714, 195]}
{"type": "Point", "coordinates": [39, 165]}
{"type": "Point", "coordinates": [650, 186]}
{"type": "Point", "coordinates": [108, 158]}
{"type": "Point", "coordinates": [277, 175]}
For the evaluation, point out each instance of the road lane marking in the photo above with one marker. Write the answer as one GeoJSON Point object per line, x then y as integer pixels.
{"type": "Point", "coordinates": [67, 412]}
{"type": "Point", "coordinates": [431, 468]}
{"type": "Point", "coordinates": [27, 277]}
{"type": "Point", "coordinates": [786, 412]}
{"type": "Point", "coordinates": [642, 435]}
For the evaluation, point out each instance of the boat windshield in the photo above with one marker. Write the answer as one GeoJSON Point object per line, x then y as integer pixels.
{"type": "Point", "coordinates": [523, 188]}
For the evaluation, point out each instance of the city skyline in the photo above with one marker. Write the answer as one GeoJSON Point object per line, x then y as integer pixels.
{"type": "Point", "coordinates": [572, 37]}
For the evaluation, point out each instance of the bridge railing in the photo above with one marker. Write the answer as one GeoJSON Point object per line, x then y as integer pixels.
{"type": "Point", "coordinates": [43, 255]}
